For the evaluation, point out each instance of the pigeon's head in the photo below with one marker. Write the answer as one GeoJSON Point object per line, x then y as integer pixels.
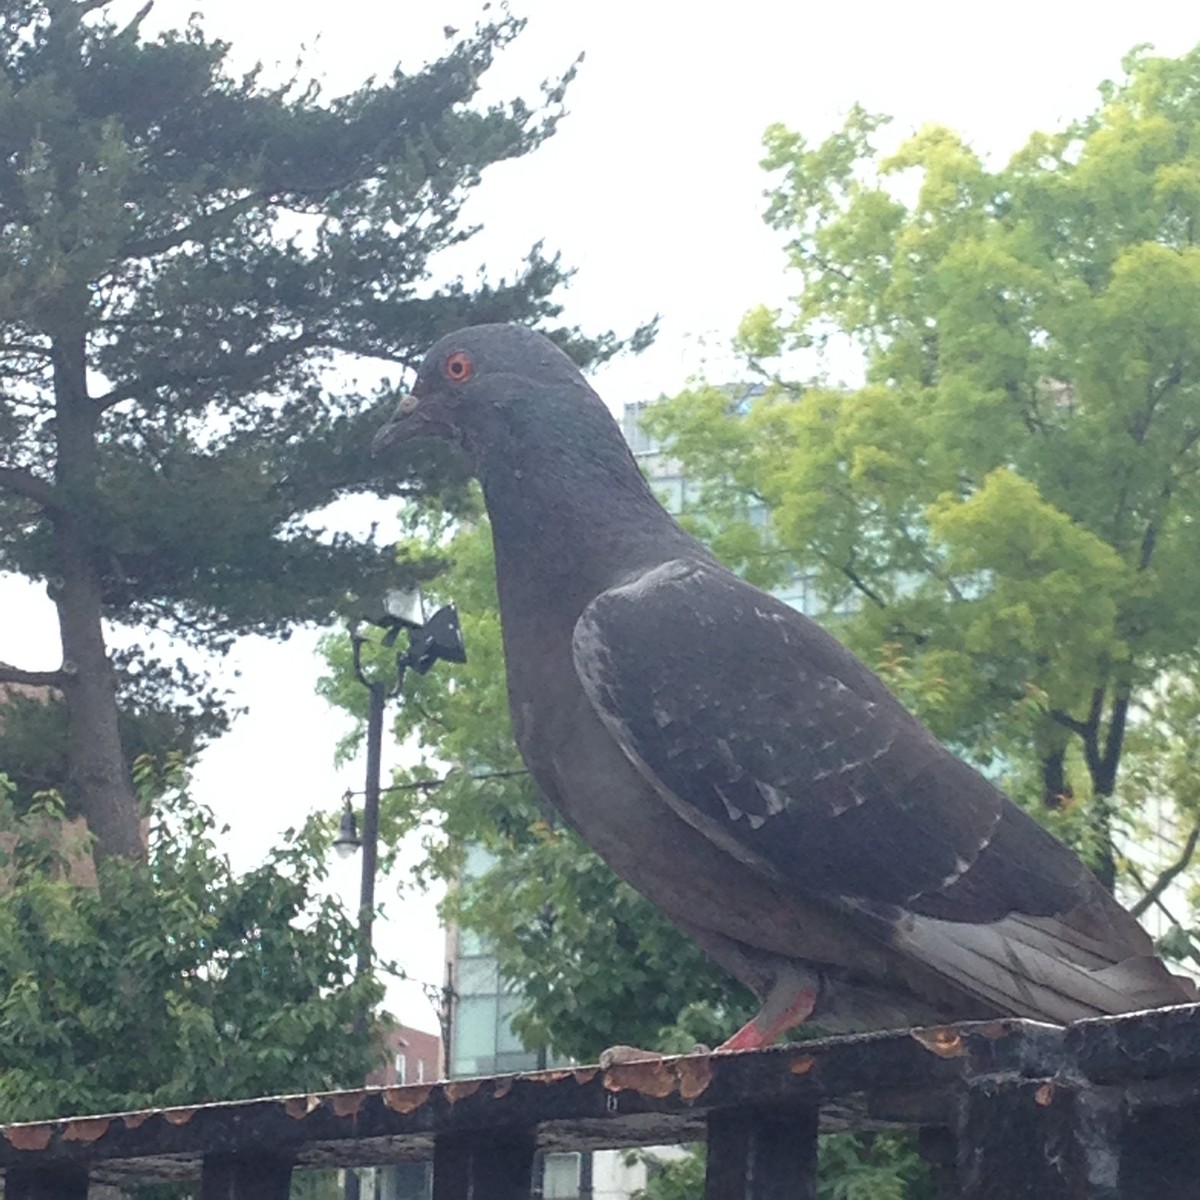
{"type": "Point", "coordinates": [470, 380]}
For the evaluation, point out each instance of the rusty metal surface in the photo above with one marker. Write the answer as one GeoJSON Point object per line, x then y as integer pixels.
{"type": "Point", "coordinates": [868, 1081]}
{"type": "Point", "coordinates": [1151, 1045]}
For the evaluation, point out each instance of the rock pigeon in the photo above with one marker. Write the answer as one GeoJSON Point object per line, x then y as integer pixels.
{"type": "Point", "coordinates": [737, 765]}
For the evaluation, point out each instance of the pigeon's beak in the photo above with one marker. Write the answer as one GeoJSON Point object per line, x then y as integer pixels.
{"type": "Point", "coordinates": [405, 423]}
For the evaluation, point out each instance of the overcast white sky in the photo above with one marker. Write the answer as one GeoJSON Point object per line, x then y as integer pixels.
{"type": "Point", "coordinates": [652, 190]}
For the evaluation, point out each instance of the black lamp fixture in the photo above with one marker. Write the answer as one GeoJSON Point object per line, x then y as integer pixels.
{"type": "Point", "coordinates": [347, 841]}
{"type": "Point", "coordinates": [438, 638]}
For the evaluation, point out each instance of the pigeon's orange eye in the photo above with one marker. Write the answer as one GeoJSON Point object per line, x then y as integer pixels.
{"type": "Point", "coordinates": [459, 367]}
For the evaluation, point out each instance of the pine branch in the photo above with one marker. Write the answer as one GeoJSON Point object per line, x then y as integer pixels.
{"type": "Point", "coordinates": [44, 679]}
{"type": "Point", "coordinates": [24, 483]}
{"type": "Point", "coordinates": [239, 373]}
{"type": "Point", "coordinates": [199, 230]}
{"type": "Point", "coordinates": [131, 30]}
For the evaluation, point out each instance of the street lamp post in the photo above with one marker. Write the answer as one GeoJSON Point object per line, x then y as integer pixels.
{"type": "Point", "coordinates": [439, 637]}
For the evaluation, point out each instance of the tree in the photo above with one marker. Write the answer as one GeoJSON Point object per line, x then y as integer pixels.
{"type": "Point", "coordinates": [191, 262]}
{"type": "Point", "coordinates": [1010, 502]}
{"type": "Point", "coordinates": [177, 981]}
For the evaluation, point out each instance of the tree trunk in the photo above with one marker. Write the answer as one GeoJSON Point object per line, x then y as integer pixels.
{"type": "Point", "coordinates": [100, 783]}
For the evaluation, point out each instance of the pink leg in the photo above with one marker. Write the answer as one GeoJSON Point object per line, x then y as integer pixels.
{"type": "Point", "coordinates": [772, 1021]}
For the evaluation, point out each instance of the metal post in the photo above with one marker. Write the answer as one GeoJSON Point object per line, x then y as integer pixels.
{"type": "Point", "coordinates": [252, 1176]}
{"type": "Point", "coordinates": [370, 856]}
{"type": "Point", "coordinates": [484, 1165]}
{"type": "Point", "coordinates": [46, 1183]}
{"type": "Point", "coordinates": [1018, 1138]}
{"type": "Point", "coordinates": [762, 1153]}
{"type": "Point", "coordinates": [440, 639]}
{"type": "Point", "coordinates": [370, 834]}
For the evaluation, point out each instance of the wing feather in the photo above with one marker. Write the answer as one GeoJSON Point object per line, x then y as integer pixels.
{"type": "Point", "coordinates": [766, 734]}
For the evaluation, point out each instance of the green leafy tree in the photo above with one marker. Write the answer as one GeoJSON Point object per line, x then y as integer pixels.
{"type": "Point", "coordinates": [190, 262]}
{"type": "Point", "coordinates": [177, 981]}
{"type": "Point", "coordinates": [1010, 501]}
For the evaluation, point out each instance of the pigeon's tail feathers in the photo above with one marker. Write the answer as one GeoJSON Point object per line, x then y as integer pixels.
{"type": "Point", "coordinates": [1041, 968]}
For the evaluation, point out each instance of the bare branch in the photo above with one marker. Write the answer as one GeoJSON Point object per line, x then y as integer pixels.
{"type": "Point", "coordinates": [1168, 874]}
{"type": "Point", "coordinates": [862, 585]}
{"type": "Point", "coordinates": [1068, 722]}
{"type": "Point", "coordinates": [45, 679]}
{"type": "Point", "coordinates": [428, 785]}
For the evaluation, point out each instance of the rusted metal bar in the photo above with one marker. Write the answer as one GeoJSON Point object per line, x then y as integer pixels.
{"type": "Point", "coordinates": [246, 1176]}
{"type": "Point", "coordinates": [1160, 1154]}
{"type": "Point", "coordinates": [935, 1145]}
{"type": "Point", "coordinates": [491, 1164]}
{"type": "Point", "coordinates": [1137, 1099]}
{"type": "Point", "coordinates": [1027, 1109]}
{"type": "Point", "coordinates": [1018, 1138]}
{"type": "Point", "coordinates": [762, 1153]}
{"type": "Point", "coordinates": [64, 1182]}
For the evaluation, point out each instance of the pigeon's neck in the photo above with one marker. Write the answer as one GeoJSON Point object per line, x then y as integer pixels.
{"type": "Point", "coordinates": [572, 515]}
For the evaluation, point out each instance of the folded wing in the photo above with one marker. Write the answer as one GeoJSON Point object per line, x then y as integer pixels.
{"type": "Point", "coordinates": [767, 735]}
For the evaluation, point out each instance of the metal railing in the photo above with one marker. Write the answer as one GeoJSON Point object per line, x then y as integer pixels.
{"type": "Point", "coordinates": [1102, 1110]}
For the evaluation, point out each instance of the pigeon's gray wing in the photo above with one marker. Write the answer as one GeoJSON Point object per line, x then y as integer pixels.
{"type": "Point", "coordinates": [765, 733]}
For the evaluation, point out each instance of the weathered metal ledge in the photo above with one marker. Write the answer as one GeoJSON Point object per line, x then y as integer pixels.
{"type": "Point", "coordinates": [1011, 1108]}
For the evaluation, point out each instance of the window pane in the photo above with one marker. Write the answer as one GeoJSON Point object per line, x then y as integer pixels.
{"type": "Point", "coordinates": [469, 942]}
{"type": "Point", "coordinates": [477, 977]}
{"type": "Point", "coordinates": [475, 1027]}
{"type": "Point", "coordinates": [525, 1060]}
{"type": "Point", "coordinates": [467, 1066]}
{"type": "Point", "coordinates": [409, 1181]}
{"type": "Point", "coordinates": [478, 860]}
{"type": "Point", "coordinates": [507, 1041]}
{"type": "Point", "coordinates": [560, 1178]}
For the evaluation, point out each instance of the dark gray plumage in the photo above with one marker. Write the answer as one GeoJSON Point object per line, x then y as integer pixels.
{"type": "Point", "coordinates": [734, 762]}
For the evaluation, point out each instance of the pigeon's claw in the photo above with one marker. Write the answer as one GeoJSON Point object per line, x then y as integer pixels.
{"type": "Point", "coordinates": [617, 1056]}
{"type": "Point", "coordinates": [773, 1021]}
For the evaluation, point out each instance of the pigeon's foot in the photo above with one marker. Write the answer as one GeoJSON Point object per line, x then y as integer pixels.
{"type": "Point", "coordinates": [616, 1056]}
{"type": "Point", "coordinates": [782, 1011]}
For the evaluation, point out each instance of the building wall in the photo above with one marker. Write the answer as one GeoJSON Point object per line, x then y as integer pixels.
{"type": "Point", "coordinates": [410, 1056]}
